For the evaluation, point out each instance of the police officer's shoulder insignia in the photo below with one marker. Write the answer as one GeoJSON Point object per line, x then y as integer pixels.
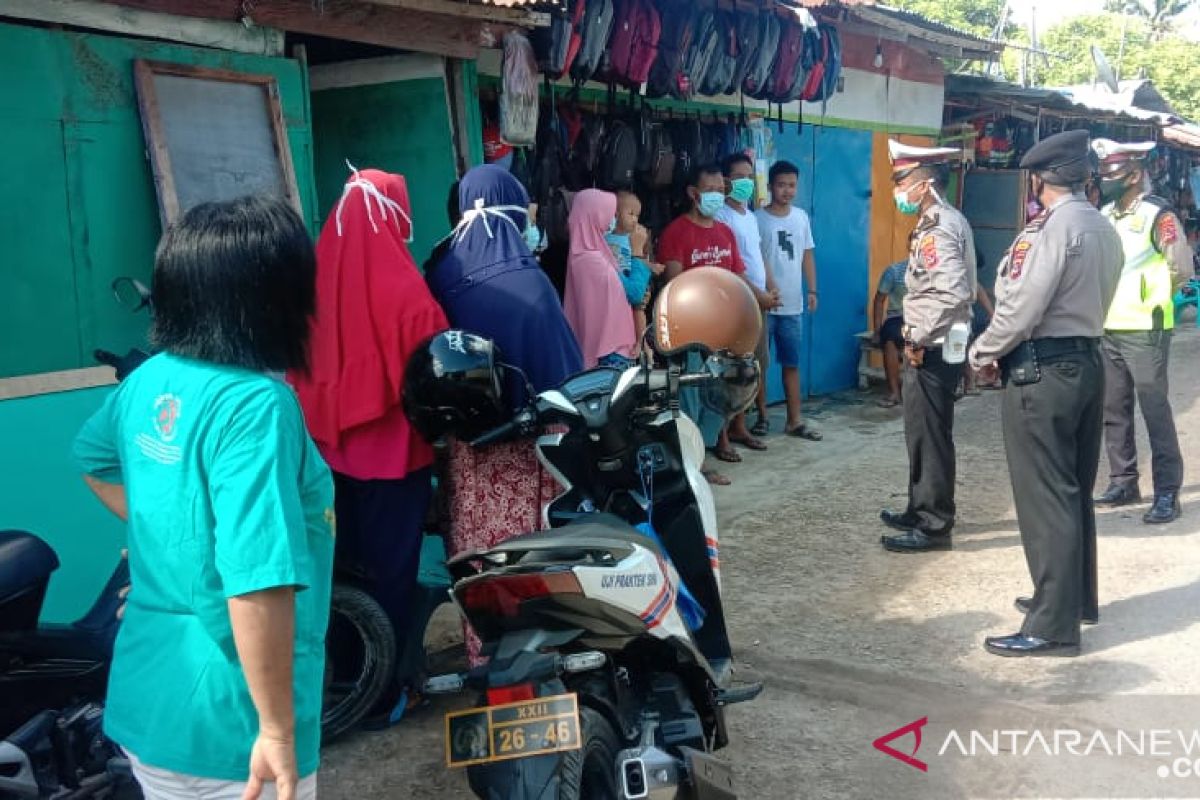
{"type": "Point", "coordinates": [1016, 261]}
{"type": "Point", "coordinates": [928, 251]}
{"type": "Point", "coordinates": [1167, 229]}
{"type": "Point", "coordinates": [1037, 223]}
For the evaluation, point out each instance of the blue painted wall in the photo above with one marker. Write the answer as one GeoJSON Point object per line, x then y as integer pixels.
{"type": "Point", "coordinates": [835, 182]}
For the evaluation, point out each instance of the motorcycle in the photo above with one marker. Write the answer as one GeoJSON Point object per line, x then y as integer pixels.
{"type": "Point", "coordinates": [609, 664]}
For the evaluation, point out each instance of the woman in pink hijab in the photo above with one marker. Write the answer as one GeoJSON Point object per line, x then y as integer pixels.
{"type": "Point", "coordinates": [594, 301]}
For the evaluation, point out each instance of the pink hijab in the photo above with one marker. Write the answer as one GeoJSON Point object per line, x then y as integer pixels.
{"type": "Point", "coordinates": [594, 301]}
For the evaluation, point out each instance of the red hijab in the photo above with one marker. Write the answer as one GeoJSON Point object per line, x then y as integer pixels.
{"type": "Point", "coordinates": [373, 309]}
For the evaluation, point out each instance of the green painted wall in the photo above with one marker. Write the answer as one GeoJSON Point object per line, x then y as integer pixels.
{"type": "Point", "coordinates": [77, 209]}
{"type": "Point", "coordinates": [43, 493]}
{"type": "Point", "coordinates": [77, 200]}
{"type": "Point", "coordinates": [401, 127]}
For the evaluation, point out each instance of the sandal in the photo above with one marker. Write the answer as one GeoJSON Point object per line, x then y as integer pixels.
{"type": "Point", "coordinates": [762, 427]}
{"type": "Point", "coordinates": [715, 478]}
{"type": "Point", "coordinates": [729, 456]}
{"type": "Point", "coordinates": [802, 431]}
{"type": "Point", "coordinates": [888, 402]}
{"type": "Point", "coordinates": [749, 442]}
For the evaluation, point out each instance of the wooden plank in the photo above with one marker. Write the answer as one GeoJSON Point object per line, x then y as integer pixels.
{"type": "Point", "coordinates": [50, 382]}
{"type": "Point", "coordinates": [156, 142]}
{"type": "Point", "coordinates": [488, 13]}
{"type": "Point", "coordinates": [102, 16]}
{"type": "Point", "coordinates": [341, 19]}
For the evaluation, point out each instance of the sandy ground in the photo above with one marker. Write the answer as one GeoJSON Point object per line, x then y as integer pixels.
{"type": "Point", "coordinates": [853, 642]}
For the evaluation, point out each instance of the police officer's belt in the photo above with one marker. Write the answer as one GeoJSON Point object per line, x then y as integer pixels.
{"type": "Point", "coordinates": [1023, 365]}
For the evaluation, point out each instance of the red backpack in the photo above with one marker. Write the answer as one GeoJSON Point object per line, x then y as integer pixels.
{"type": "Point", "coordinates": [557, 45]}
{"type": "Point", "coordinates": [634, 45]}
{"type": "Point", "coordinates": [787, 70]}
{"type": "Point", "coordinates": [819, 45]}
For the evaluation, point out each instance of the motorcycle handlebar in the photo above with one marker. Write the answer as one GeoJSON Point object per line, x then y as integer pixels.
{"type": "Point", "coordinates": [521, 424]}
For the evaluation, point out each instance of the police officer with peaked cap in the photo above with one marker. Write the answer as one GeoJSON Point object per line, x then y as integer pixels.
{"type": "Point", "coordinates": [941, 286]}
{"type": "Point", "coordinates": [1052, 291]}
{"type": "Point", "coordinates": [1137, 338]}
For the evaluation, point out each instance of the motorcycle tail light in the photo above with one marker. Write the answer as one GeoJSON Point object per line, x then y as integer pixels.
{"type": "Point", "coordinates": [518, 692]}
{"type": "Point", "coordinates": [502, 595]}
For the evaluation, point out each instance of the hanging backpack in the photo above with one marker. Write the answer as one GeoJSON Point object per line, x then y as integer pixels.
{"type": "Point", "coordinates": [688, 143]}
{"type": "Point", "coordinates": [597, 25]}
{"type": "Point", "coordinates": [635, 38]}
{"type": "Point", "coordinates": [749, 32]}
{"type": "Point", "coordinates": [667, 75]}
{"type": "Point", "coordinates": [618, 160]}
{"type": "Point", "coordinates": [724, 60]}
{"type": "Point", "coordinates": [831, 66]}
{"type": "Point", "coordinates": [550, 164]}
{"type": "Point", "coordinates": [585, 154]}
{"type": "Point", "coordinates": [518, 92]}
{"type": "Point", "coordinates": [552, 217]}
{"type": "Point", "coordinates": [729, 140]}
{"type": "Point", "coordinates": [817, 53]}
{"type": "Point", "coordinates": [705, 43]}
{"type": "Point", "coordinates": [662, 162]}
{"type": "Point", "coordinates": [788, 71]}
{"type": "Point", "coordinates": [758, 76]}
{"type": "Point", "coordinates": [557, 46]}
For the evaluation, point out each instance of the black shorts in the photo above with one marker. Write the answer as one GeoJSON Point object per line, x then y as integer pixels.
{"type": "Point", "coordinates": [892, 331]}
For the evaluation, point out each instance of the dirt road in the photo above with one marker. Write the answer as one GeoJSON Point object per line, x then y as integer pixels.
{"type": "Point", "coordinates": [853, 642]}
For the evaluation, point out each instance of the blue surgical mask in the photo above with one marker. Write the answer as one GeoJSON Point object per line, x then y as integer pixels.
{"type": "Point", "coordinates": [612, 225]}
{"type": "Point", "coordinates": [711, 202]}
{"type": "Point", "coordinates": [742, 189]}
{"type": "Point", "coordinates": [533, 237]}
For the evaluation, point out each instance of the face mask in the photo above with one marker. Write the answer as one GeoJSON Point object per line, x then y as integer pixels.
{"type": "Point", "coordinates": [710, 203]}
{"type": "Point", "coordinates": [1111, 189]}
{"type": "Point", "coordinates": [533, 237]}
{"type": "Point", "coordinates": [904, 205]}
{"type": "Point", "coordinates": [742, 189]}
{"type": "Point", "coordinates": [612, 225]}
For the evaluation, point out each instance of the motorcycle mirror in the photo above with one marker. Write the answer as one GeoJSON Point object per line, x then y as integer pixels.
{"type": "Point", "coordinates": [131, 293]}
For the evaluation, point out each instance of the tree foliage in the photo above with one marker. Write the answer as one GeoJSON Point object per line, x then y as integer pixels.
{"type": "Point", "coordinates": [1172, 62]}
{"type": "Point", "coordinates": [976, 16]}
{"type": "Point", "coordinates": [1159, 13]}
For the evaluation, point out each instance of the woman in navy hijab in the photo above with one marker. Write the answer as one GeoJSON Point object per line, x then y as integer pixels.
{"type": "Point", "coordinates": [489, 283]}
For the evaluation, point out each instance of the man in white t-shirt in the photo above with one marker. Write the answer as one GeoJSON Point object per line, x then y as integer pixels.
{"type": "Point", "coordinates": [736, 213]}
{"type": "Point", "coordinates": [787, 249]}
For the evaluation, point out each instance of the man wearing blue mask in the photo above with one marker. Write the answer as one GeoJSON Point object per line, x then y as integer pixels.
{"type": "Point", "coordinates": [941, 285]}
{"type": "Point", "coordinates": [697, 239]}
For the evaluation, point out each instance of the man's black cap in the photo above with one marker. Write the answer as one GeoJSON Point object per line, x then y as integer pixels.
{"type": "Point", "coordinates": [1065, 155]}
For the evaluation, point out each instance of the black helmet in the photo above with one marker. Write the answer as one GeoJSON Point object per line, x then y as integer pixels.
{"type": "Point", "coordinates": [452, 385]}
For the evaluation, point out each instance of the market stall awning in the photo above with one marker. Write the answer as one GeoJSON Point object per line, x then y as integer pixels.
{"type": "Point", "coordinates": [1065, 102]}
{"type": "Point", "coordinates": [939, 38]}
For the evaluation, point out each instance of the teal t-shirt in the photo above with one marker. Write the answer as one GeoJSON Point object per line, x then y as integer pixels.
{"type": "Point", "coordinates": [227, 495]}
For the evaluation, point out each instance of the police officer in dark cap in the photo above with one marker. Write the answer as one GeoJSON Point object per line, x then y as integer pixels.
{"type": "Point", "coordinates": [1052, 292]}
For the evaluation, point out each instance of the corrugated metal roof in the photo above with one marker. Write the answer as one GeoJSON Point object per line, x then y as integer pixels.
{"type": "Point", "coordinates": [1001, 92]}
{"type": "Point", "coordinates": [918, 26]}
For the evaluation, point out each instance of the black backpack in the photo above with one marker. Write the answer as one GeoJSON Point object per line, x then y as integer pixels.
{"type": "Point", "coordinates": [585, 154]}
{"type": "Point", "coordinates": [749, 32]}
{"type": "Point", "coordinates": [688, 144]}
{"type": "Point", "coordinates": [597, 25]}
{"type": "Point", "coordinates": [667, 76]}
{"type": "Point", "coordinates": [552, 216]}
{"type": "Point", "coordinates": [705, 43]}
{"type": "Point", "coordinates": [661, 169]}
{"type": "Point", "coordinates": [618, 161]}
{"type": "Point", "coordinates": [550, 166]}
{"type": "Point", "coordinates": [757, 82]}
{"type": "Point", "coordinates": [724, 60]}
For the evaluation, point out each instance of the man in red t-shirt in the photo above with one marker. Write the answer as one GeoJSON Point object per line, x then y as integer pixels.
{"type": "Point", "coordinates": [696, 239]}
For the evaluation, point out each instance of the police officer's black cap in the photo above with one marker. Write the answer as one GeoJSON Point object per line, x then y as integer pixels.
{"type": "Point", "coordinates": [1064, 155]}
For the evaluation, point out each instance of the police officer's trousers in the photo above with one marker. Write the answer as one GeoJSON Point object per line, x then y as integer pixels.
{"type": "Point", "coordinates": [1052, 432]}
{"type": "Point", "coordinates": [928, 394]}
{"type": "Point", "coordinates": [1135, 364]}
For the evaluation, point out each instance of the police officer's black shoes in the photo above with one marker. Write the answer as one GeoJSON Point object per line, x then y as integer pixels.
{"type": "Point", "coordinates": [1018, 646]}
{"type": "Point", "coordinates": [1117, 495]}
{"type": "Point", "coordinates": [1023, 604]}
{"type": "Point", "coordinates": [1165, 509]}
{"type": "Point", "coordinates": [916, 541]}
{"type": "Point", "coordinates": [902, 522]}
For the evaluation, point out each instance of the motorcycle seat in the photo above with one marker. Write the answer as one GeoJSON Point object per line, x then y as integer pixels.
{"type": "Point", "coordinates": [591, 533]}
{"type": "Point", "coordinates": [25, 563]}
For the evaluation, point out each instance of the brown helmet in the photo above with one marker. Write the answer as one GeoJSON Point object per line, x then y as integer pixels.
{"type": "Point", "coordinates": [710, 307]}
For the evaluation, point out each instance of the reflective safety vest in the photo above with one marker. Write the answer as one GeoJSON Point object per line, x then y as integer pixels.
{"type": "Point", "coordinates": [1146, 285]}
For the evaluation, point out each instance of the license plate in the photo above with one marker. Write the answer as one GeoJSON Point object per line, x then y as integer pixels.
{"type": "Point", "coordinates": [512, 730]}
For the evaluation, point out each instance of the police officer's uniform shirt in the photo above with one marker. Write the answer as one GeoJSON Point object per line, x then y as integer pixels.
{"type": "Point", "coordinates": [941, 278]}
{"type": "Point", "coordinates": [1152, 214]}
{"type": "Point", "coordinates": [1057, 279]}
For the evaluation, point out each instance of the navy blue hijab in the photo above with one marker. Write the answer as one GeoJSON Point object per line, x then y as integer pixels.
{"type": "Point", "coordinates": [489, 283]}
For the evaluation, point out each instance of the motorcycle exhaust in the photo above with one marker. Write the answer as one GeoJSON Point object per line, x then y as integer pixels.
{"type": "Point", "coordinates": [648, 773]}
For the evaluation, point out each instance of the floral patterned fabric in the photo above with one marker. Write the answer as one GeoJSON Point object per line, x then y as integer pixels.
{"type": "Point", "coordinates": [496, 493]}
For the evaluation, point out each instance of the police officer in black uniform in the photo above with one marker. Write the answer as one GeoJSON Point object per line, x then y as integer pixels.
{"type": "Point", "coordinates": [1052, 292]}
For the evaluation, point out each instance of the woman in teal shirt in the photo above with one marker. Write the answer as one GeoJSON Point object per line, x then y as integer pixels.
{"type": "Point", "coordinates": [216, 680]}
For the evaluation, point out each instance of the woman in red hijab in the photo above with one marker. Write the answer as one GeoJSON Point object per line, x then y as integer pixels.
{"type": "Point", "coordinates": [373, 309]}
